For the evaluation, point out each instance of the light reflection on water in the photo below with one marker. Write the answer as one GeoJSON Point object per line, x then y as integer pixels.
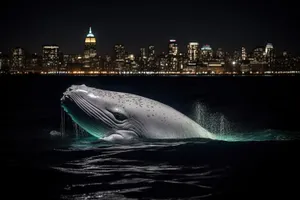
{"type": "Point", "coordinates": [110, 171]}
{"type": "Point", "coordinates": [164, 169]}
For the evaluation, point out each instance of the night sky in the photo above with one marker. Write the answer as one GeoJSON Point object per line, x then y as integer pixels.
{"type": "Point", "coordinates": [31, 24]}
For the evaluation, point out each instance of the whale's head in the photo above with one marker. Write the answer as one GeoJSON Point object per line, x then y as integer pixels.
{"type": "Point", "coordinates": [100, 112]}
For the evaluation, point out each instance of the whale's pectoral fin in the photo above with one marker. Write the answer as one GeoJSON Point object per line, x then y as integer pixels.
{"type": "Point", "coordinates": [121, 136]}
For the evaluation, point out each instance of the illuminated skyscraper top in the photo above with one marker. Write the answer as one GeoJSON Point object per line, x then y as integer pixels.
{"type": "Point", "coordinates": [268, 49]}
{"type": "Point", "coordinates": [90, 33]}
{"type": "Point", "coordinates": [206, 52]}
{"type": "Point", "coordinates": [90, 45]}
{"type": "Point", "coordinates": [90, 38]}
{"type": "Point", "coordinates": [206, 48]}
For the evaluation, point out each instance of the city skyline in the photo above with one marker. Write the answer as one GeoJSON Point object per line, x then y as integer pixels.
{"type": "Point", "coordinates": [180, 47]}
{"type": "Point", "coordinates": [195, 59]}
{"type": "Point", "coordinates": [222, 25]}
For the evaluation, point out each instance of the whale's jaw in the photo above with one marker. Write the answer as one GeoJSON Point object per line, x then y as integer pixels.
{"type": "Point", "coordinates": [83, 113]}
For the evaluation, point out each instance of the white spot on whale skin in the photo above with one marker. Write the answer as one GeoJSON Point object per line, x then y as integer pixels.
{"type": "Point", "coordinates": [92, 95]}
{"type": "Point", "coordinates": [81, 90]}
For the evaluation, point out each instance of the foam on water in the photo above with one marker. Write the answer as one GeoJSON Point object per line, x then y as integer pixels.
{"type": "Point", "coordinates": [213, 122]}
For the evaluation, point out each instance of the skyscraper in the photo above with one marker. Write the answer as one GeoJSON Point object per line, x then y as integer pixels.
{"type": "Point", "coordinates": [143, 59]}
{"type": "Point", "coordinates": [173, 56]}
{"type": "Point", "coordinates": [1, 61]}
{"type": "Point", "coordinates": [206, 52]}
{"type": "Point", "coordinates": [151, 58]}
{"type": "Point", "coordinates": [107, 63]}
{"type": "Point", "coordinates": [151, 52]}
{"type": "Point", "coordinates": [220, 54]}
{"type": "Point", "coordinates": [130, 63]}
{"type": "Point", "coordinates": [173, 48]}
{"type": "Point", "coordinates": [163, 62]}
{"type": "Point", "coordinates": [119, 53]}
{"type": "Point", "coordinates": [236, 56]}
{"type": "Point", "coordinates": [119, 57]}
{"type": "Point", "coordinates": [143, 53]}
{"type": "Point", "coordinates": [258, 54]}
{"type": "Point", "coordinates": [18, 59]}
{"type": "Point", "coordinates": [269, 55]}
{"type": "Point", "coordinates": [90, 45]}
{"type": "Point", "coordinates": [90, 50]}
{"type": "Point", "coordinates": [33, 62]}
{"type": "Point", "coordinates": [4, 63]}
{"type": "Point", "coordinates": [268, 49]}
{"type": "Point", "coordinates": [193, 51]}
{"type": "Point", "coordinates": [50, 57]}
{"type": "Point", "coordinates": [244, 54]}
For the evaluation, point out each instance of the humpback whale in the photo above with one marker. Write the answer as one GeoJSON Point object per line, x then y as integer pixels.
{"type": "Point", "coordinates": [117, 116]}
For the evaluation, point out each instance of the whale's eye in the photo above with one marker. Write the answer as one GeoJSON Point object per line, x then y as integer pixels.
{"type": "Point", "coordinates": [119, 116]}
{"type": "Point", "coordinates": [118, 113]}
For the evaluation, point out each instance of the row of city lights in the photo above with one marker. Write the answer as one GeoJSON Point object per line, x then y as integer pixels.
{"type": "Point", "coordinates": [161, 72]}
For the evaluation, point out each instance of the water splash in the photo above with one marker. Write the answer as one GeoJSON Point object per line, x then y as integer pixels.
{"type": "Point", "coordinates": [213, 122]}
{"type": "Point", "coordinates": [66, 131]}
{"type": "Point", "coordinates": [219, 125]}
{"type": "Point", "coordinates": [78, 131]}
{"type": "Point", "coordinates": [222, 124]}
{"type": "Point", "coordinates": [63, 123]}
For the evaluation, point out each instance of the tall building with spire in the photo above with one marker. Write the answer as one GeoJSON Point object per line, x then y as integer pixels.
{"type": "Point", "coordinates": [89, 48]}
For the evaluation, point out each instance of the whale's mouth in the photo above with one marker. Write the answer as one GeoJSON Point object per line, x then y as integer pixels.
{"type": "Point", "coordinates": [84, 113]}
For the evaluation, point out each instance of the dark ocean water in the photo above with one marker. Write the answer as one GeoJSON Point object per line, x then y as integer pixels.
{"type": "Point", "coordinates": [256, 119]}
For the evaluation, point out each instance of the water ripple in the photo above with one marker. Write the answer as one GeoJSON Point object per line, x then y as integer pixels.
{"type": "Point", "coordinates": [135, 172]}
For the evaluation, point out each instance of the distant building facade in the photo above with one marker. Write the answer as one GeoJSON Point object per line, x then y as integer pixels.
{"type": "Point", "coordinates": [50, 57]}
{"type": "Point", "coordinates": [193, 51]}
{"type": "Point", "coordinates": [206, 53]}
{"type": "Point", "coordinates": [119, 57]}
{"type": "Point", "coordinates": [173, 56]}
{"type": "Point", "coordinates": [17, 60]}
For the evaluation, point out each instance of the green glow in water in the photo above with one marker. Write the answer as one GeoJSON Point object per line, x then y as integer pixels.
{"type": "Point", "coordinates": [83, 126]}
{"type": "Point", "coordinates": [267, 135]}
